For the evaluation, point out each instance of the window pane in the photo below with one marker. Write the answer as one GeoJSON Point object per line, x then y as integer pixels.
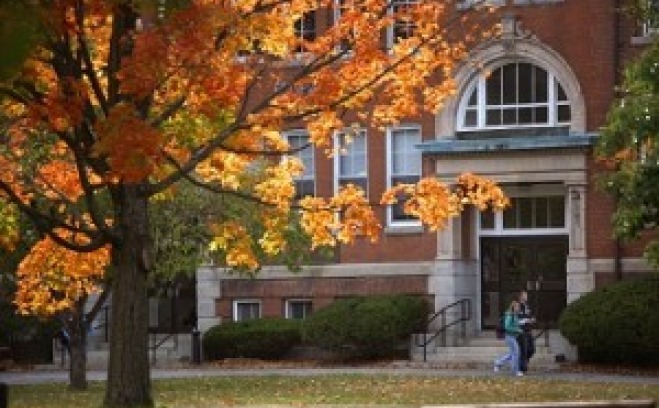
{"type": "Point", "coordinates": [299, 309]}
{"type": "Point", "coordinates": [525, 115]}
{"type": "Point", "coordinates": [540, 85]}
{"type": "Point", "coordinates": [541, 212]}
{"type": "Point", "coordinates": [510, 215]}
{"type": "Point", "coordinates": [493, 117]}
{"type": "Point", "coordinates": [556, 211]}
{"type": "Point", "coordinates": [525, 83]}
{"type": "Point", "coordinates": [510, 116]}
{"type": "Point", "coordinates": [304, 188]}
{"type": "Point", "coordinates": [541, 115]}
{"type": "Point", "coordinates": [397, 213]}
{"type": "Point", "coordinates": [525, 212]}
{"type": "Point", "coordinates": [473, 99]}
{"type": "Point", "coordinates": [564, 113]}
{"type": "Point", "coordinates": [560, 93]}
{"type": "Point", "coordinates": [471, 118]}
{"type": "Point", "coordinates": [510, 84]}
{"type": "Point", "coordinates": [493, 88]}
{"type": "Point", "coordinates": [247, 311]}
{"type": "Point", "coordinates": [487, 220]}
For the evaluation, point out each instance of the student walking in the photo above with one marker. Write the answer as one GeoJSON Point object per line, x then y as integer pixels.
{"type": "Point", "coordinates": [525, 339]}
{"type": "Point", "coordinates": [512, 330]}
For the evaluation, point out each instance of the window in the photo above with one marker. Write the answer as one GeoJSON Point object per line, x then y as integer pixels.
{"type": "Point", "coordinates": [341, 7]}
{"type": "Point", "coordinates": [305, 29]}
{"type": "Point", "coordinates": [298, 308]}
{"type": "Point", "coordinates": [403, 166]}
{"type": "Point", "coordinates": [403, 26]}
{"type": "Point", "coordinates": [651, 14]}
{"type": "Point", "coordinates": [515, 95]}
{"type": "Point", "coordinates": [246, 310]}
{"type": "Point", "coordinates": [301, 148]}
{"type": "Point", "coordinates": [350, 159]}
{"type": "Point", "coordinates": [528, 213]}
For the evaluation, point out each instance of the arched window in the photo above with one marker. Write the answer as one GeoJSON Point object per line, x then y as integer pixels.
{"type": "Point", "coordinates": [517, 94]}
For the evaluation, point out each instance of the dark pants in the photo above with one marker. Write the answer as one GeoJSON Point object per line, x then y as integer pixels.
{"type": "Point", "coordinates": [526, 349]}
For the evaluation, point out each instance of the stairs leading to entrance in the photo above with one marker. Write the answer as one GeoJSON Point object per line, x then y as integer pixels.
{"type": "Point", "coordinates": [476, 352]}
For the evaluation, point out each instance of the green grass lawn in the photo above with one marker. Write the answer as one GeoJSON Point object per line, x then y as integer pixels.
{"type": "Point", "coordinates": [337, 389]}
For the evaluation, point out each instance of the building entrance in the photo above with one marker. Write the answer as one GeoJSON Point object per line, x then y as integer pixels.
{"type": "Point", "coordinates": [535, 263]}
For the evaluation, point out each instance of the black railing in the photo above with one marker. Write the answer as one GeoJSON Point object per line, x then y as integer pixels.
{"type": "Point", "coordinates": [441, 315]}
{"type": "Point", "coordinates": [156, 343]}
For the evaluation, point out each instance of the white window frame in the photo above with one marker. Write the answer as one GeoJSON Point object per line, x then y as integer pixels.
{"type": "Point", "coordinates": [236, 303]}
{"type": "Point", "coordinates": [535, 191]}
{"type": "Point", "coordinates": [390, 171]}
{"type": "Point", "coordinates": [651, 27]}
{"type": "Point", "coordinates": [338, 154]}
{"type": "Point", "coordinates": [465, 4]}
{"type": "Point", "coordinates": [391, 41]}
{"type": "Point", "coordinates": [287, 307]}
{"type": "Point", "coordinates": [299, 34]}
{"type": "Point", "coordinates": [480, 82]}
{"type": "Point", "coordinates": [297, 133]}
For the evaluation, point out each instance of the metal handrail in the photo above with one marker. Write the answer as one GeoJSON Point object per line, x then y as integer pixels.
{"type": "Point", "coordinates": [465, 316]}
{"type": "Point", "coordinates": [155, 344]}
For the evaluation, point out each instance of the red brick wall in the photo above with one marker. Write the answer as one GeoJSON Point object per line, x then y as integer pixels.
{"type": "Point", "coordinates": [322, 291]}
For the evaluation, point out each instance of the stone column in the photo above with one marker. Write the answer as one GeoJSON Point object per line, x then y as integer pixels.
{"type": "Point", "coordinates": [579, 278]}
{"type": "Point", "coordinates": [208, 290]}
{"type": "Point", "coordinates": [453, 278]}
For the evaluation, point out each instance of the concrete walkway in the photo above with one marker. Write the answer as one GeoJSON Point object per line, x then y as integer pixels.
{"type": "Point", "coordinates": [61, 376]}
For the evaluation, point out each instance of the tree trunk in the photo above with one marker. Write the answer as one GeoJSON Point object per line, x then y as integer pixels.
{"type": "Point", "coordinates": [129, 381]}
{"type": "Point", "coordinates": [78, 349]}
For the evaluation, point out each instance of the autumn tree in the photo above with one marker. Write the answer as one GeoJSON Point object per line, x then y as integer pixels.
{"type": "Point", "coordinates": [123, 100]}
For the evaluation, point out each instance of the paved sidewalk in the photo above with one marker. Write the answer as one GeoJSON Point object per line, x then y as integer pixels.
{"type": "Point", "coordinates": [60, 376]}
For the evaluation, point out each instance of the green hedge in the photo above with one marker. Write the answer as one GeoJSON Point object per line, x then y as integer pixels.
{"type": "Point", "coordinates": [366, 327]}
{"type": "Point", "coordinates": [616, 324]}
{"type": "Point", "coordinates": [260, 338]}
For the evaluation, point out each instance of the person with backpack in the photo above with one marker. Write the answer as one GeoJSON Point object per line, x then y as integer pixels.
{"type": "Point", "coordinates": [512, 329]}
{"type": "Point", "coordinates": [525, 339]}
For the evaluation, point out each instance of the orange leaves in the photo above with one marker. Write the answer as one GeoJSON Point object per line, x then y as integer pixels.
{"type": "Point", "coordinates": [62, 107]}
{"type": "Point", "coordinates": [434, 203]}
{"type": "Point", "coordinates": [341, 218]}
{"type": "Point", "coordinates": [131, 145]}
{"type": "Point", "coordinates": [52, 278]}
{"type": "Point", "coordinates": [146, 68]}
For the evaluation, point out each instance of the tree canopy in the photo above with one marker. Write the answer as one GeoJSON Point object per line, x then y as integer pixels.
{"type": "Point", "coordinates": [121, 100]}
{"type": "Point", "coordinates": [629, 143]}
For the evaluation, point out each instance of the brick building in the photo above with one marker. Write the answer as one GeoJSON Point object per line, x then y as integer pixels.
{"type": "Point", "coordinates": [526, 115]}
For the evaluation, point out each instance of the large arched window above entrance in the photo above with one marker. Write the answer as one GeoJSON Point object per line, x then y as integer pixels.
{"type": "Point", "coordinates": [514, 95]}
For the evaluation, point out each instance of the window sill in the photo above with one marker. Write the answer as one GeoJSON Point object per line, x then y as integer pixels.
{"type": "Point", "coordinates": [403, 229]}
{"type": "Point", "coordinates": [643, 40]}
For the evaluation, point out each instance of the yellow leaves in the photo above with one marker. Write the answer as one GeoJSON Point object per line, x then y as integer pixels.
{"type": "Point", "coordinates": [52, 278]}
{"type": "Point", "coordinates": [131, 145]}
{"type": "Point", "coordinates": [9, 228]}
{"type": "Point", "coordinates": [278, 188]}
{"type": "Point", "coordinates": [225, 168]}
{"type": "Point", "coordinates": [234, 240]}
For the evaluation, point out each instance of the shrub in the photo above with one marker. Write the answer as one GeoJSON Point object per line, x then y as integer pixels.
{"type": "Point", "coordinates": [366, 327]}
{"type": "Point", "coordinates": [616, 324]}
{"type": "Point", "coordinates": [259, 338]}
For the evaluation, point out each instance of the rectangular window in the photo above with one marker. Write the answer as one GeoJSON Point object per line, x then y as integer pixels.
{"type": "Point", "coordinates": [465, 4]}
{"type": "Point", "coordinates": [246, 309]}
{"type": "Point", "coordinates": [404, 165]}
{"type": "Point", "coordinates": [403, 26]}
{"type": "Point", "coordinates": [298, 308]}
{"type": "Point", "coordinates": [305, 29]}
{"type": "Point", "coordinates": [351, 159]}
{"type": "Point", "coordinates": [340, 8]}
{"type": "Point", "coordinates": [302, 149]}
{"type": "Point", "coordinates": [651, 14]}
{"type": "Point", "coordinates": [535, 213]}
